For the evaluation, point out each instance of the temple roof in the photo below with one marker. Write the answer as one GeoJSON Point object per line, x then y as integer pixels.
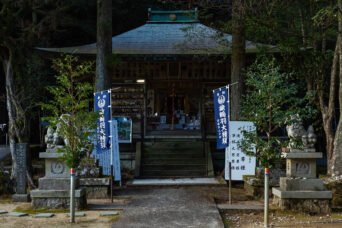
{"type": "Point", "coordinates": [168, 33]}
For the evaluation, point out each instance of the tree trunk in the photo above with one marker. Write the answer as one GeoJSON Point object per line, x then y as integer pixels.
{"type": "Point", "coordinates": [10, 111]}
{"type": "Point", "coordinates": [237, 59]}
{"type": "Point", "coordinates": [336, 161]}
{"type": "Point", "coordinates": [103, 45]}
{"type": "Point", "coordinates": [328, 112]}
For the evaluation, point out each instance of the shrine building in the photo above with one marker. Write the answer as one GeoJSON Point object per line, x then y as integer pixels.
{"type": "Point", "coordinates": [164, 84]}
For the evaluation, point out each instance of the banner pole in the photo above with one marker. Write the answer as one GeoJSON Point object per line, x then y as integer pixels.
{"type": "Point", "coordinates": [229, 164]}
{"type": "Point", "coordinates": [230, 182]}
{"type": "Point", "coordinates": [111, 145]}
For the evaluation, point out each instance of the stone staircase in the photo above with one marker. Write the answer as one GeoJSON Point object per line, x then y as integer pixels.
{"type": "Point", "coordinates": [173, 159]}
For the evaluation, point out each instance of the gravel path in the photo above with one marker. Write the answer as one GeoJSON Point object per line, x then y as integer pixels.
{"type": "Point", "coordinates": [169, 207]}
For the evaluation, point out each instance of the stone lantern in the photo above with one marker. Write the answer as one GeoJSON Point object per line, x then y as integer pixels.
{"type": "Point", "coordinates": [300, 190]}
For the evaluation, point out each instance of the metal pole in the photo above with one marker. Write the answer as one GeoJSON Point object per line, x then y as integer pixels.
{"type": "Point", "coordinates": [111, 144]}
{"type": "Point", "coordinates": [111, 182]}
{"type": "Point", "coordinates": [72, 195]}
{"type": "Point", "coordinates": [230, 182]}
{"type": "Point", "coordinates": [229, 148]}
{"type": "Point", "coordinates": [266, 198]}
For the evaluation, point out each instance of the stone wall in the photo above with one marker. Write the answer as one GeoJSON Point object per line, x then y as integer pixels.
{"type": "Point", "coordinates": [335, 186]}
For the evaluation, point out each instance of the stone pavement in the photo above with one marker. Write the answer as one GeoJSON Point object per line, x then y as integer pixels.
{"type": "Point", "coordinates": [168, 207]}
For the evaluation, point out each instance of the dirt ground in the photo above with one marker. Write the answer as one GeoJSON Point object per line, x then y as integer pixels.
{"type": "Point", "coordinates": [219, 195]}
{"type": "Point", "coordinates": [92, 219]}
{"type": "Point", "coordinates": [280, 219]}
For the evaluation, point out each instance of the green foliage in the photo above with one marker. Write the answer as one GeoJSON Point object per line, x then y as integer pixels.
{"type": "Point", "coordinates": [70, 108]}
{"type": "Point", "coordinates": [270, 102]}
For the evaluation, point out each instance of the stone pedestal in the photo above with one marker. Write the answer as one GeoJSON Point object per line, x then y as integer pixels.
{"type": "Point", "coordinates": [54, 188]}
{"type": "Point", "coordinates": [21, 191]}
{"type": "Point", "coordinates": [300, 190]}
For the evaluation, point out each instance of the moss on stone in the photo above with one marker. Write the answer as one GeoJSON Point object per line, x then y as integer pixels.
{"type": "Point", "coordinates": [36, 210]}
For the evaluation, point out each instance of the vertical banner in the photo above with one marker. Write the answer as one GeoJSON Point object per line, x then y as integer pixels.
{"type": "Point", "coordinates": [241, 164]}
{"type": "Point", "coordinates": [102, 151]}
{"type": "Point", "coordinates": [102, 105]}
{"type": "Point", "coordinates": [221, 108]}
{"type": "Point", "coordinates": [115, 150]}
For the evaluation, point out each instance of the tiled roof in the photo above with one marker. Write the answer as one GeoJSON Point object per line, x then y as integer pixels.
{"type": "Point", "coordinates": [167, 38]}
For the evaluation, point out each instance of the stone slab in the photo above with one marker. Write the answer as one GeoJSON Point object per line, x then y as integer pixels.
{"type": "Point", "coordinates": [301, 194]}
{"type": "Point", "coordinates": [17, 214]}
{"type": "Point", "coordinates": [48, 183]}
{"type": "Point", "coordinates": [45, 215]}
{"type": "Point", "coordinates": [109, 213]}
{"type": "Point", "coordinates": [21, 160]}
{"type": "Point", "coordinates": [94, 181]}
{"type": "Point", "coordinates": [49, 155]}
{"type": "Point", "coordinates": [78, 214]}
{"type": "Point", "coordinates": [57, 193]}
{"type": "Point", "coordinates": [180, 181]}
{"type": "Point", "coordinates": [239, 207]}
{"type": "Point", "coordinates": [303, 155]}
{"type": "Point", "coordinates": [21, 198]}
{"type": "Point", "coordinates": [3, 212]}
{"type": "Point", "coordinates": [105, 207]}
{"type": "Point", "coordinates": [289, 184]}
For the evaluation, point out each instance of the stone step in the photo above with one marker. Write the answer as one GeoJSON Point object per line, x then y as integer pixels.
{"type": "Point", "coordinates": [240, 207]}
{"type": "Point", "coordinates": [170, 167]}
{"type": "Point", "coordinates": [175, 182]}
{"type": "Point", "coordinates": [174, 145]}
{"type": "Point", "coordinates": [173, 161]}
{"type": "Point", "coordinates": [173, 150]}
{"type": "Point", "coordinates": [173, 155]}
{"type": "Point", "coordinates": [174, 173]}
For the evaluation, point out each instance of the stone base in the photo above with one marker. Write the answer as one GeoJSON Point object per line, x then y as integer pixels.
{"type": "Point", "coordinates": [97, 192]}
{"type": "Point", "coordinates": [47, 183]}
{"type": "Point", "coordinates": [312, 202]}
{"type": "Point", "coordinates": [290, 184]}
{"type": "Point", "coordinates": [254, 187]}
{"type": "Point", "coordinates": [311, 206]}
{"type": "Point", "coordinates": [307, 194]}
{"type": "Point", "coordinates": [21, 198]}
{"type": "Point", "coordinates": [97, 188]}
{"type": "Point", "coordinates": [58, 198]}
